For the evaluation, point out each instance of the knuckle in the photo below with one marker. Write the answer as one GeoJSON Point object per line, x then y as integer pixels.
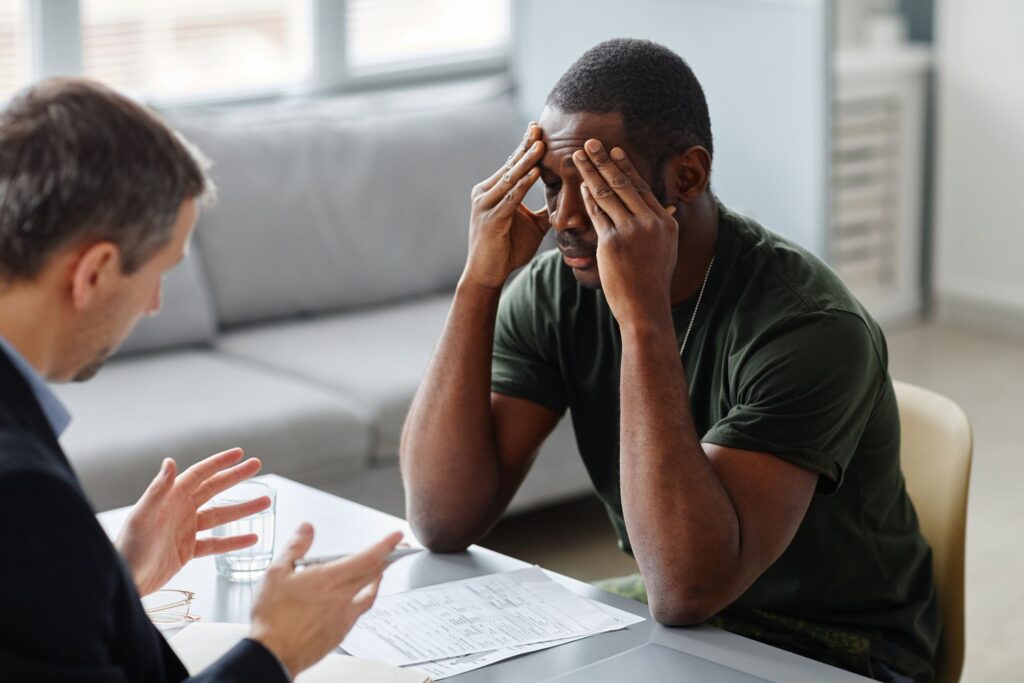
{"type": "Point", "coordinates": [507, 178]}
{"type": "Point", "coordinates": [619, 180]}
{"type": "Point", "coordinates": [603, 192]}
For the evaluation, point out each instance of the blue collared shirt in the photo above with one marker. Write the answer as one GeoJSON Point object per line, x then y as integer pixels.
{"type": "Point", "coordinates": [56, 414]}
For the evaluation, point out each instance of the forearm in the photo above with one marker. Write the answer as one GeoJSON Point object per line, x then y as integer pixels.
{"type": "Point", "coordinates": [448, 452]}
{"type": "Point", "coordinates": [682, 525]}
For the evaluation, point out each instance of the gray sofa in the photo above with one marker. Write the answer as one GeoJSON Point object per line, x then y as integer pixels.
{"type": "Point", "coordinates": [309, 305]}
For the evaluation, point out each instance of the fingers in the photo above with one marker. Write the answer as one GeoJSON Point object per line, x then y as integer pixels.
{"type": "Point", "coordinates": [361, 568]}
{"type": "Point", "coordinates": [513, 199]}
{"type": "Point", "coordinates": [602, 223]}
{"type": "Point", "coordinates": [365, 598]}
{"type": "Point", "coordinates": [511, 180]}
{"type": "Point", "coordinates": [531, 136]}
{"type": "Point", "coordinates": [194, 476]}
{"type": "Point", "coordinates": [298, 546]}
{"type": "Point", "coordinates": [224, 480]}
{"type": "Point", "coordinates": [161, 484]}
{"type": "Point", "coordinates": [600, 190]}
{"type": "Point", "coordinates": [211, 517]}
{"type": "Point", "coordinates": [617, 181]}
{"type": "Point", "coordinates": [227, 544]}
{"type": "Point", "coordinates": [643, 190]}
{"type": "Point", "coordinates": [539, 219]}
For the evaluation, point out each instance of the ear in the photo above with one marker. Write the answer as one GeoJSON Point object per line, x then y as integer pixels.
{"type": "Point", "coordinates": [96, 270]}
{"type": "Point", "coordinates": [689, 173]}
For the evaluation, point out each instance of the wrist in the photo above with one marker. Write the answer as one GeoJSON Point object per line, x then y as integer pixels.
{"type": "Point", "coordinates": [643, 326]}
{"type": "Point", "coordinates": [470, 286]}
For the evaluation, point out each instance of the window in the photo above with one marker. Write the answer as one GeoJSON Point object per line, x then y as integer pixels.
{"type": "Point", "coordinates": [14, 71]}
{"type": "Point", "coordinates": [392, 31]}
{"type": "Point", "coordinates": [176, 48]}
{"type": "Point", "coordinates": [162, 50]}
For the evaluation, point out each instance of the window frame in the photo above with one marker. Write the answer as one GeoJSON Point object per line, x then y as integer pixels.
{"type": "Point", "coordinates": [55, 48]}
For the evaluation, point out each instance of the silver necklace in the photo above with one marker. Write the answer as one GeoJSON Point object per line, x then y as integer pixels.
{"type": "Point", "coordinates": [696, 308]}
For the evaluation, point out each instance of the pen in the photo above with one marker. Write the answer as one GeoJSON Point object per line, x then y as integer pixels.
{"type": "Point", "coordinates": [396, 554]}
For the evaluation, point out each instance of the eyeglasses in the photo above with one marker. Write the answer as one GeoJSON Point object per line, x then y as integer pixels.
{"type": "Point", "coordinates": [169, 607]}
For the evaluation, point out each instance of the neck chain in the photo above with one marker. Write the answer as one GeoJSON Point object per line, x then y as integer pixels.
{"type": "Point", "coordinates": [696, 307]}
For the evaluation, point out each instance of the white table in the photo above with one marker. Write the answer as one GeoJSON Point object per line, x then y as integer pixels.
{"type": "Point", "coordinates": [342, 526]}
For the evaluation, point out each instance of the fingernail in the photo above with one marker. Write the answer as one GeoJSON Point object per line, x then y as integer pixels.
{"type": "Point", "coordinates": [579, 156]}
{"type": "Point", "coordinates": [618, 154]}
{"type": "Point", "coordinates": [593, 146]}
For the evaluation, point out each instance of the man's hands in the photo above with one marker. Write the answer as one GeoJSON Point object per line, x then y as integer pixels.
{"type": "Point", "coordinates": [301, 615]}
{"type": "Point", "coordinates": [637, 237]}
{"type": "Point", "coordinates": [159, 537]}
{"type": "Point", "coordinates": [504, 234]}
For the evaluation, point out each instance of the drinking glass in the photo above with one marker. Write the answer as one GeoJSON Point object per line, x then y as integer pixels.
{"type": "Point", "coordinates": [247, 564]}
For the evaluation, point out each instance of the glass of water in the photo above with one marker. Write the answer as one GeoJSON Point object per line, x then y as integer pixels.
{"type": "Point", "coordinates": [247, 564]}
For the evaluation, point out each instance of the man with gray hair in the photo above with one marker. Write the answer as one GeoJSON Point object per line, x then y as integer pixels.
{"type": "Point", "coordinates": [98, 200]}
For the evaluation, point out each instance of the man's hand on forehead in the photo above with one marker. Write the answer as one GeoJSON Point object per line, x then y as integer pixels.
{"type": "Point", "coordinates": [504, 234]}
{"type": "Point", "coordinates": [637, 236]}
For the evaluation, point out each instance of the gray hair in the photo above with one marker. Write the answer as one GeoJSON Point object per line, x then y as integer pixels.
{"type": "Point", "coordinates": [80, 163]}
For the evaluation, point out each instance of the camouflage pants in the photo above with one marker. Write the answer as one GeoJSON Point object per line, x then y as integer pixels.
{"type": "Point", "coordinates": [831, 646]}
{"type": "Point", "coordinates": [631, 587]}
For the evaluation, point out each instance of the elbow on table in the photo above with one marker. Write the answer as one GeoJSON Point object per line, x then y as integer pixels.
{"type": "Point", "coordinates": [682, 607]}
{"type": "Point", "coordinates": [439, 537]}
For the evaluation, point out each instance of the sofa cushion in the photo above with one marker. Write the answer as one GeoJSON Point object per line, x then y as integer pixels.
{"type": "Point", "coordinates": [319, 214]}
{"type": "Point", "coordinates": [377, 357]}
{"type": "Point", "coordinates": [186, 317]}
{"type": "Point", "coordinates": [190, 404]}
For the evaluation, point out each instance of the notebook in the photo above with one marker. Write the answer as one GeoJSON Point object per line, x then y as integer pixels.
{"type": "Point", "coordinates": [202, 643]}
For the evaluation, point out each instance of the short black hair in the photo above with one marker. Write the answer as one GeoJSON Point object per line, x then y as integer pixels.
{"type": "Point", "coordinates": [660, 99]}
{"type": "Point", "coordinates": [80, 162]}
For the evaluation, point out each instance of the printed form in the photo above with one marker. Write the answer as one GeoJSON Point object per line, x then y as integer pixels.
{"type": "Point", "coordinates": [446, 668]}
{"type": "Point", "coordinates": [487, 614]}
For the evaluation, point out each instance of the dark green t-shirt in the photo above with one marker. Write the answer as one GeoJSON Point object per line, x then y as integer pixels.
{"type": "Point", "coordinates": [783, 360]}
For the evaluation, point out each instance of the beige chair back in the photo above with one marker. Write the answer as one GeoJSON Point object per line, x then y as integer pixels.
{"type": "Point", "coordinates": [935, 451]}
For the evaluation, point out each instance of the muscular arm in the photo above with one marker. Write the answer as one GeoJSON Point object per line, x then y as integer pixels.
{"type": "Point", "coordinates": [704, 521]}
{"type": "Point", "coordinates": [464, 450]}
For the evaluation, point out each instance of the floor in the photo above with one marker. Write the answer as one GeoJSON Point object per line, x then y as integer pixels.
{"type": "Point", "coordinates": [985, 375]}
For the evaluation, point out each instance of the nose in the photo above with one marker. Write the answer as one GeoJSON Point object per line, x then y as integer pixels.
{"type": "Point", "coordinates": [569, 212]}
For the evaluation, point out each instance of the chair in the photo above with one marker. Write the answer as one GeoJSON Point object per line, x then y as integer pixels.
{"type": "Point", "coordinates": [935, 450]}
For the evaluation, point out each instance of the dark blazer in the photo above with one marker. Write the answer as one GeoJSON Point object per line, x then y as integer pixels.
{"type": "Point", "coordinates": [69, 610]}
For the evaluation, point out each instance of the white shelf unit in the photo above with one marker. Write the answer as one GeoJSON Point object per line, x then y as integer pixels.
{"type": "Point", "coordinates": [878, 133]}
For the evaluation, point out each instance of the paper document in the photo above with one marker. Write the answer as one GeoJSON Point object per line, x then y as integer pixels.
{"type": "Point", "coordinates": [446, 668]}
{"type": "Point", "coordinates": [479, 615]}
{"type": "Point", "coordinates": [202, 643]}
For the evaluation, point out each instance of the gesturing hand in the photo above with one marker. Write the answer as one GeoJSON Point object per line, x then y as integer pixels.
{"type": "Point", "coordinates": [159, 537]}
{"type": "Point", "coordinates": [301, 615]}
{"type": "Point", "coordinates": [504, 234]}
{"type": "Point", "coordinates": [637, 237]}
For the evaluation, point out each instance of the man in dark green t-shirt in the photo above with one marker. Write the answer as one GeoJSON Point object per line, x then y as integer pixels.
{"type": "Point", "coordinates": [730, 397]}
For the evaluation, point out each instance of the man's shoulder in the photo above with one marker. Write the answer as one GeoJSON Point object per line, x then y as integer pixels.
{"type": "Point", "coordinates": [775, 266]}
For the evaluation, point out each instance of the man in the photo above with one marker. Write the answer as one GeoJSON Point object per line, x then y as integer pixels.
{"type": "Point", "coordinates": [98, 200]}
{"type": "Point", "coordinates": [730, 397]}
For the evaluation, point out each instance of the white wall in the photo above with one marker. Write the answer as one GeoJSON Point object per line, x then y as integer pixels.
{"type": "Point", "coordinates": [980, 148]}
{"type": "Point", "coordinates": [765, 71]}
